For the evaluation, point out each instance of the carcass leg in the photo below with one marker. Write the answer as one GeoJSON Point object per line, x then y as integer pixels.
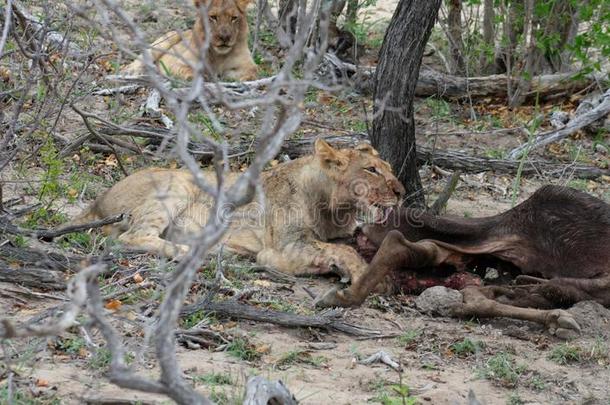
{"type": "Point", "coordinates": [394, 253]}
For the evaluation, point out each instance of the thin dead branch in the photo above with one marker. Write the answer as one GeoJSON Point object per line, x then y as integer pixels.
{"type": "Point", "coordinates": [581, 121]}
{"type": "Point", "coordinates": [381, 357]}
{"type": "Point", "coordinates": [50, 234]}
{"type": "Point", "coordinates": [330, 320]}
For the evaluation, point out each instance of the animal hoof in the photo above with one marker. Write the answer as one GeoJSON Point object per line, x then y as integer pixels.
{"type": "Point", "coordinates": [327, 299]}
{"type": "Point", "coordinates": [562, 324]}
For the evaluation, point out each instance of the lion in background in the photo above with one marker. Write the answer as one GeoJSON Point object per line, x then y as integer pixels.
{"type": "Point", "coordinates": [304, 204]}
{"type": "Point", "coordinates": [227, 55]}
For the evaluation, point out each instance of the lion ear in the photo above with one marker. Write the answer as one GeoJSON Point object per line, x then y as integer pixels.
{"type": "Point", "coordinates": [243, 4]}
{"type": "Point", "coordinates": [199, 3]}
{"type": "Point", "coordinates": [328, 155]}
{"type": "Point", "coordinates": [367, 148]}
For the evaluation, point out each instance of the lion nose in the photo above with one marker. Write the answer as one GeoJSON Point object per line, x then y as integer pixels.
{"type": "Point", "coordinates": [397, 188]}
{"type": "Point", "coordinates": [224, 37]}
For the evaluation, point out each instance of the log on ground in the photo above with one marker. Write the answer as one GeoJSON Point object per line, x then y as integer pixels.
{"type": "Point", "coordinates": [448, 159]}
{"type": "Point", "coordinates": [434, 83]}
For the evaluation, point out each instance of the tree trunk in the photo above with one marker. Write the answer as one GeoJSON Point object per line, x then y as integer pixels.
{"type": "Point", "coordinates": [351, 15]}
{"type": "Point", "coordinates": [563, 25]}
{"type": "Point", "coordinates": [513, 28]}
{"type": "Point", "coordinates": [456, 45]}
{"type": "Point", "coordinates": [395, 80]}
{"type": "Point", "coordinates": [287, 16]}
{"type": "Point", "coordinates": [525, 74]}
{"type": "Point", "coordinates": [489, 15]}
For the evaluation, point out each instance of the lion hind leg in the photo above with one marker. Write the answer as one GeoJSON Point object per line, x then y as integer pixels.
{"type": "Point", "coordinates": [146, 226]}
{"type": "Point", "coordinates": [142, 239]}
{"type": "Point", "coordinates": [158, 49]}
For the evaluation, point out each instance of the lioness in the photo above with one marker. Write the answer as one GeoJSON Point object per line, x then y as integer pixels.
{"type": "Point", "coordinates": [306, 202]}
{"type": "Point", "coordinates": [227, 56]}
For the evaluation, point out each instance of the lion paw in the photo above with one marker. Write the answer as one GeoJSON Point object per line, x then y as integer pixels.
{"type": "Point", "coordinates": [562, 324]}
{"type": "Point", "coordinates": [327, 265]}
{"type": "Point", "coordinates": [327, 299]}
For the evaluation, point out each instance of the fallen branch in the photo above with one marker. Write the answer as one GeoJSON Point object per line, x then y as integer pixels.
{"type": "Point", "coordinates": [76, 291]}
{"type": "Point", "coordinates": [152, 109]}
{"type": "Point", "coordinates": [126, 89]}
{"type": "Point", "coordinates": [581, 121]}
{"type": "Point", "coordinates": [50, 234]}
{"type": "Point", "coordinates": [33, 277]}
{"type": "Point", "coordinates": [116, 401]}
{"type": "Point", "coordinates": [54, 38]}
{"type": "Point", "coordinates": [213, 91]}
{"type": "Point", "coordinates": [475, 164]}
{"type": "Point", "coordinates": [330, 320]}
{"type": "Point", "coordinates": [381, 357]}
{"type": "Point", "coordinates": [434, 83]}
{"type": "Point", "coordinates": [447, 159]}
{"type": "Point", "coordinates": [260, 391]}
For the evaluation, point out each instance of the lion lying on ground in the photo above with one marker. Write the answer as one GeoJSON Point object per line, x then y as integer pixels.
{"type": "Point", "coordinates": [306, 202]}
{"type": "Point", "coordinates": [227, 56]}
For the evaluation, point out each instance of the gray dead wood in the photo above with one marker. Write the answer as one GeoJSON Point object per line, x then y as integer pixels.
{"type": "Point", "coordinates": [39, 258]}
{"type": "Point", "coordinates": [381, 357]}
{"type": "Point", "coordinates": [116, 401]}
{"type": "Point", "coordinates": [50, 234]}
{"type": "Point", "coordinates": [447, 159]}
{"type": "Point", "coordinates": [213, 92]}
{"type": "Point", "coordinates": [53, 38]}
{"type": "Point", "coordinates": [434, 83]}
{"type": "Point", "coordinates": [33, 277]}
{"type": "Point", "coordinates": [330, 320]}
{"type": "Point", "coordinates": [260, 391]}
{"type": "Point", "coordinates": [580, 121]}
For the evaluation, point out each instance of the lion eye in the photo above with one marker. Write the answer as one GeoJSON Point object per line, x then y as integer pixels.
{"type": "Point", "coordinates": [372, 170]}
{"type": "Point", "coordinates": [234, 19]}
{"type": "Point", "coordinates": [214, 18]}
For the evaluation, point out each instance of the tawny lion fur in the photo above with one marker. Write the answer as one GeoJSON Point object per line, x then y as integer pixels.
{"type": "Point", "coordinates": [304, 204]}
{"type": "Point", "coordinates": [227, 55]}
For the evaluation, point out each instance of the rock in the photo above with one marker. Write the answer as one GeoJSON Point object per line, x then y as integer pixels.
{"type": "Point", "coordinates": [438, 300]}
{"type": "Point", "coordinates": [599, 148]}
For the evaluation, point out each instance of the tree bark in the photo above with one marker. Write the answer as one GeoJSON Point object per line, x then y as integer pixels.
{"type": "Point", "coordinates": [489, 16]}
{"type": "Point", "coordinates": [513, 28]}
{"type": "Point", "coordinates": [454, 31]}
{"type": "Point", "coordinates": [395, 79]}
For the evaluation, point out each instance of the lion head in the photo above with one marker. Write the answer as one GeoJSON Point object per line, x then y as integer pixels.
{"type": "Point", "coordinates": [226, 21]}
{"type": "Point", "coordinates": [359, 179]}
